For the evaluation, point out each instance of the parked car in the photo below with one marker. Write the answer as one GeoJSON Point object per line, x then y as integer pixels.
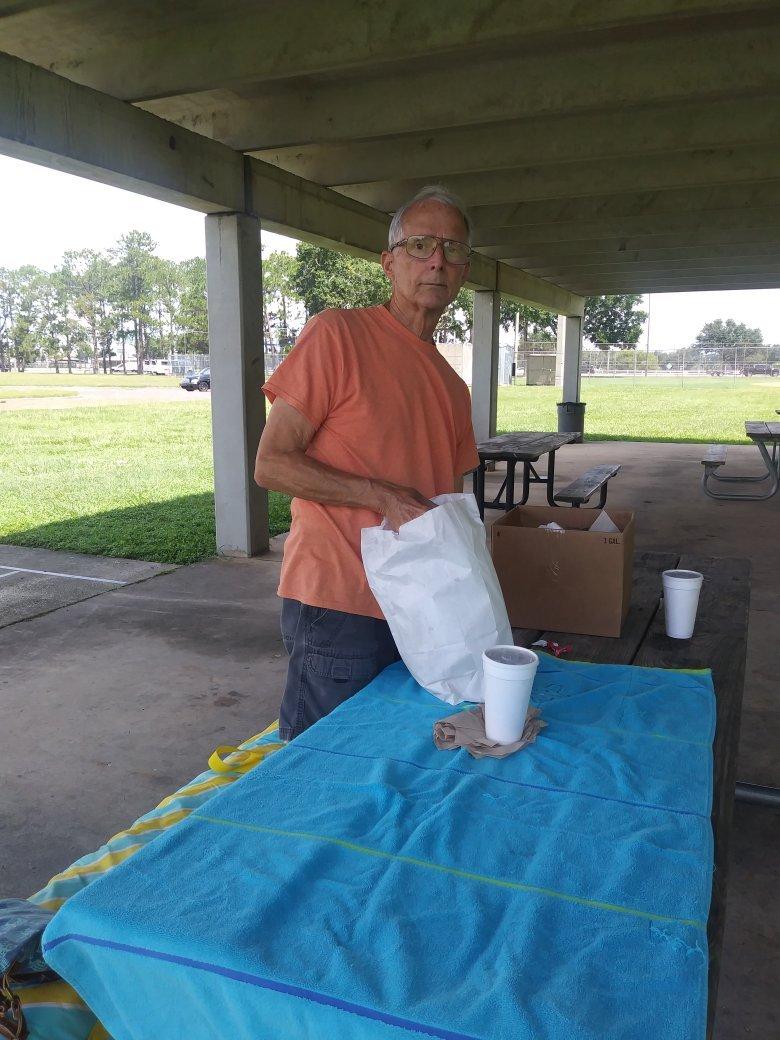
{"type": "Point", "coordinates": [197, 380]}
{"type": "Point", "coordinates": [759, 368]}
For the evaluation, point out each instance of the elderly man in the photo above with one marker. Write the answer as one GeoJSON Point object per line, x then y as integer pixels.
{"type": "Point", "coordinates": [367, 421]}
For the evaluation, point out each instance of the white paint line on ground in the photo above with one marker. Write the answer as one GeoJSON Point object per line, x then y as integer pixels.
{"type": "Point", "coordinates": [56, 574]}
{"type": "Point", "coordinates": [7, 575]}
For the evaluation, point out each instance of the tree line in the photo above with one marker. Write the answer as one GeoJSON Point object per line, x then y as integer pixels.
{"type": "Point", "coordinates": [318, 278]}
{"type": "Point", "coordinates": [99, 306]}
{"type": "Point", "coordinates": [126, 305]}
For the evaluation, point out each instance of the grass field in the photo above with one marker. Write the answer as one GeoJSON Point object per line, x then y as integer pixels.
{"type": "Point", "coordinates": [656, 409]}
{"type": "Point", "coordinates": [136, 480]}
{"type": "Point", "coordinates": [123, 480]}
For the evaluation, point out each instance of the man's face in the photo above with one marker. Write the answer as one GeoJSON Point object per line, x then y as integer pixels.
{"type": "Point", "coordinates": [434, 283]}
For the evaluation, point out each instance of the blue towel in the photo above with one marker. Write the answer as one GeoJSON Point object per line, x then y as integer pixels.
{"type": "Point", "coordinates": [363, 884]}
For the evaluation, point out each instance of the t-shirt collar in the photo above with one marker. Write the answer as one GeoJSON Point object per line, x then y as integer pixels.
{"type": "Point", "coordinates": [400, 329]}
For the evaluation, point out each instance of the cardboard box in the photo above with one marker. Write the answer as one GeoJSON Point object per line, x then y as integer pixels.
{"type": "Point", "coordinates": [571, 581]}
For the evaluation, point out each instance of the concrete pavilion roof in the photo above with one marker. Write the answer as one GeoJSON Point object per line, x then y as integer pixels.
{"type": "Point", "coordinates": [604, 147]}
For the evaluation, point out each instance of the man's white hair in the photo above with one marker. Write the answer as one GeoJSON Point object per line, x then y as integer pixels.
{"type": "Point", "coordinates": [433, 193]}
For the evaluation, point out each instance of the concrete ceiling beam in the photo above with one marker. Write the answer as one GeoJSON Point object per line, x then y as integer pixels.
{"type": "Point", "coordinates": [48, 120]}
{"type": "Point", "coordinates": [568, 245]}
{"type": "Point", "coordinates": [699, 169]}
{"type": "Point", "coordinates": [769, 245]}
{"type": "Point", "coordinates": [643, 286]}
{"type": "Point", "coordinates": [650, 210]}
{"type": "Point", "coordinates": [130, 53]}
{"type": "Point", "coordinates": [565, 274]}
{"type": "Point", "coordinates": [727, 62]}
{"type": "Point", "coordinates": [604, 136]}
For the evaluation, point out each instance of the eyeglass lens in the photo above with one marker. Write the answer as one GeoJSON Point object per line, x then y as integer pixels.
{"type": "Point", "coordinates": [424, 246]}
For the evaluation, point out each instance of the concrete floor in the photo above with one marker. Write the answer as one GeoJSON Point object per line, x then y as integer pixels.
{"type": "Point", "coordinates": [111, 702]}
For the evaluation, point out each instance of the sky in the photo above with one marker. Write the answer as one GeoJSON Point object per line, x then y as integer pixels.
{"type": "Point", "coordinates": [44, 212]}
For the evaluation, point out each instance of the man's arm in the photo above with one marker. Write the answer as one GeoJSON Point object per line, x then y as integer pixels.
{"type": "Point", "coordinates": [283, 465]}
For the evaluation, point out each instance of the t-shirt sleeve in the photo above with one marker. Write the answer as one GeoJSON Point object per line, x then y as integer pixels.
{"type": "Point", "coordinates": [310, 376]}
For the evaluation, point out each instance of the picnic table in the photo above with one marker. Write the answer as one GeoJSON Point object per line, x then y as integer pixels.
{"type": "Point", "coordinates": [526, 447]}
{"type": "Point", "coordinates": [766, 437]}
{"type": "Point", "coordinates": [720, 644]}
{"type": "Point", "coordinates": [277, 852]}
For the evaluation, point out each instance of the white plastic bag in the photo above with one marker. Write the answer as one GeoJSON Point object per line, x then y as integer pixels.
{"type": "Point", "coordinates": [437, 587]}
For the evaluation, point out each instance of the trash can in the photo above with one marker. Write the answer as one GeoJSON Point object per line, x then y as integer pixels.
{"type": "Point", "coordinates": [571, 418]}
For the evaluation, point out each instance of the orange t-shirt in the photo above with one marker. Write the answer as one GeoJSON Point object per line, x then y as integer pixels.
{"type": "Point", "coordinates": [384, 404]}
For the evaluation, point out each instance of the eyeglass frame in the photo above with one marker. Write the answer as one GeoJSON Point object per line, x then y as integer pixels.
{"type": "Point", "coordinates": [439, 241]}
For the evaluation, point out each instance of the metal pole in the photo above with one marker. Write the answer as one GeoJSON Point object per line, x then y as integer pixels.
{"type": "Point", "coordinates": [647, 345]}
{"type": "Point", "coordinates": [517, 335]}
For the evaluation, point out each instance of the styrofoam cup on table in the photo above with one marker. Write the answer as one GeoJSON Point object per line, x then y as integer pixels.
{"type": "Point", "coordinates": [507, 676]}
{"type": "Point", "coordinates": [681, 601]}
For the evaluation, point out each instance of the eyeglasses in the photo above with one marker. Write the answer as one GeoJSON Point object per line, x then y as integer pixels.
{"type": "Point", "coordinates": [422, 247]}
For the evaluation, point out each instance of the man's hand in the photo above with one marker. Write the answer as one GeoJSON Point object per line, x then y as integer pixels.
{"type": "Point", "coordinates": [398, 505]}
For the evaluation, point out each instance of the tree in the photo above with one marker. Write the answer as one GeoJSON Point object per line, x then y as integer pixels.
{"type": "Point", "coordinates": [280, 299]}
{"type": "Point", "coordinates": [458, 319]}
{"type": "Point", "coordinates": [192, 318]}
{"type": "Point", "coordinates": [90, 280]}
{"type": "Point", "coordinates": [166, 292]}
{"type": "Point", "coordinates": [18, 296]}
{"type": "Point", "coordinates": [5, 319]}
{"type": "Point", "coordinates": [613, 319]}
{"type": "Point", "coordinates": [728, 333]}
{"type": "Point", "coordinates": [529, 322]}
{"type": "Point", "coordinates": [323, 278]}
{"type": "Point", "coordinates": [135, 267]}
{"type": "Point", "coordinates": [728, 338]}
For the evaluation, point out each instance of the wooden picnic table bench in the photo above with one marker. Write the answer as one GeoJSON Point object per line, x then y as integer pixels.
{"type": "Point", "coordinates": [587, 484]}
{"type": "Point", "coordinates": [527, 448]}
{"type": "Point", "coordinates": [720, 643]}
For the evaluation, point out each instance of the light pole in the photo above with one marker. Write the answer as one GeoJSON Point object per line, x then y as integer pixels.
{"type": "Point", "coordinates": [647, 345]}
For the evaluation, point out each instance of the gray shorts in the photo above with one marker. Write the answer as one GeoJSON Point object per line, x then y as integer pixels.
{"type": "Point", "coordinates": [333, 655]}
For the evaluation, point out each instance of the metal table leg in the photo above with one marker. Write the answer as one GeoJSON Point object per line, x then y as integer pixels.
{"type": "Point", "coordinates": [479, 488]}
{"type": "Point", "coordinates": [509, 484]}
{"type": "Point", "coordinates": [551, 480]}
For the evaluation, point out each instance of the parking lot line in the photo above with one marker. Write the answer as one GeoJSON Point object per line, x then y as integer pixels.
{"type": "Point", "coordinates": [56, 574]}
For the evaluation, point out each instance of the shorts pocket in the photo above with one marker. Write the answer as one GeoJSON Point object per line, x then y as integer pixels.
{"type": "Point", "coordinates": [341, 669]}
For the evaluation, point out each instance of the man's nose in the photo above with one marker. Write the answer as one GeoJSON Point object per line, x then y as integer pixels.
{"type": "Point", "coordinates": [437, 258]}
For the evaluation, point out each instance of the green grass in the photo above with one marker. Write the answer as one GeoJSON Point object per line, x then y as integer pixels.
{"type": "Point", "coordinates": [7, 394]}
{"type": "Point", "coordinates": [656, 409]}
{"type": "Point", "coordinates": [129, 382]}
{"type": "Point", "coordinates": [122, 480]}
{"type": "Point", "coordinates": [136, 480]}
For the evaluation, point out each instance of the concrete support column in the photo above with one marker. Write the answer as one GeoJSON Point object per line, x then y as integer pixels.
{"type": "Point", "coordinates": [233, 269]}
{"type": "Point", "coordinates": [484, 366]}
{"type": "Point", "coordinates": [569, 357]}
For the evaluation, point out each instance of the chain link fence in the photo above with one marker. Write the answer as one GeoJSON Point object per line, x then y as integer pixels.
{"type": "Point", "coordinates": [181, 364]}
{"type": "Point", "coordinates": [535, 364]}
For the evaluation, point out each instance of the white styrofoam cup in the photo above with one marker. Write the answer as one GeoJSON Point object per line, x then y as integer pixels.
{"type": "Point", "coordinates": [681, 600]}
{"type": "Point", "coordinates": [508, 675]}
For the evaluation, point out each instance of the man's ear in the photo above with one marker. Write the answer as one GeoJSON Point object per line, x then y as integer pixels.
{"type": "Point", "coordinates": [386, 260]}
